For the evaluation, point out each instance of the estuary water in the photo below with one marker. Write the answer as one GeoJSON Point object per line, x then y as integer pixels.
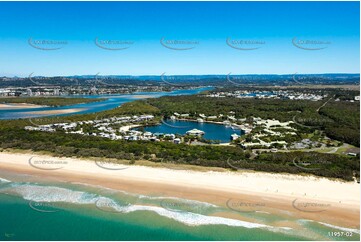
{"type": "Point", "coordinates": [112, 101]}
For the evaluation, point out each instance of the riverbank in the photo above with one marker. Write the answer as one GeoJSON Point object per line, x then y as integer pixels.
{"type": "Point", "coordinates": [303, 197]}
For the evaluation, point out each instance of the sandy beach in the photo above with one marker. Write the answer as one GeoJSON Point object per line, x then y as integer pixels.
{"type": "Point", "coordinates": [9, 106]}
{"type": "Point", "coordinates": [305, 197]}
{"type": "Point", "coordinates": [141, 96]}
{"type": "Point", "coordinates": [52, 112]}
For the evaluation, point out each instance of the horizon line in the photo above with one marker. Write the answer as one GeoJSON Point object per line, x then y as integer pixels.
{"type": "Point", "coordinates": [163, 74]}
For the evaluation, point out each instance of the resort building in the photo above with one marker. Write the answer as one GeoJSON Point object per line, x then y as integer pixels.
{"type": "Point", "coordinates": [234, 136]}
{"type": "Point", "coordinates": [195, 132]}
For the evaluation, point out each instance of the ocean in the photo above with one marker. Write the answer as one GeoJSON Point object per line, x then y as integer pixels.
{"type": "Point", "coordinates": [35, 208]}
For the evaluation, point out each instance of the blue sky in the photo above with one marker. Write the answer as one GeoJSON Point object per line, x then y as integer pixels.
{"type": "Point", "coordinates": [207, 24]}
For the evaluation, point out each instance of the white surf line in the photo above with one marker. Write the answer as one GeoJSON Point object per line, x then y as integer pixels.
{"type": "Point", "coordinates": [341, 228]}
{"type": "Point", "coordinates": [4, 180]}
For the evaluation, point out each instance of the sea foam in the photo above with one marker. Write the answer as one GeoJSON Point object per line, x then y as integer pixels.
{"type": "Point", "coordinates": [341, 228]}
{"type": "Point", "coordinates": [192, 219]}
{"type": "Point", "coordinates": [179, 199]}
{"type": "Point", "coordinates": [39, 193]}
{"type": "Point", "coordinates": [3, 180]}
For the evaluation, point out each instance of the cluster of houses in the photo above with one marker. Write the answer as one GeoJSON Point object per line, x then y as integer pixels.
{"type": "Point", "coordinates": [306, 144]}
{"type": "Point", "coordinates": [132, 135]}
{"type": "Point", "coordinates": [269, 94]}
{"type": "Point", "coordinates": [121, 128]}
{"type": "Point", "coordinates": [105, 128]}
{"type": "Point", "coordinates": [268, 129]}
{"type": "Point", "coordinates": [30, 92]}
{"type": "Point", "coordinates": [72, 87]}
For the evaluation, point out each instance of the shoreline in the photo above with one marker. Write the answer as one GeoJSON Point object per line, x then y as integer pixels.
{"type": "Point", "coordinates": [278, 192]}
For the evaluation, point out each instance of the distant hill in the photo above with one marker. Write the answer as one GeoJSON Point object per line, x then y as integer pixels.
{"type": "Point", "coordinates": [187, 80]}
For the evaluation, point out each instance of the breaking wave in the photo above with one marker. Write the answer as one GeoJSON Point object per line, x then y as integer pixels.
{"type": "Point", "coordinates": [54, 194]}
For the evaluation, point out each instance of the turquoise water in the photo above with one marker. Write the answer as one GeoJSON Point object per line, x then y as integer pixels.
{"type": "Point", "coordinates": [112, 101]}
{"type": "Point", "coordinates": [32, 208]}
{"type": "Point", "coordinates": [212, 131]}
